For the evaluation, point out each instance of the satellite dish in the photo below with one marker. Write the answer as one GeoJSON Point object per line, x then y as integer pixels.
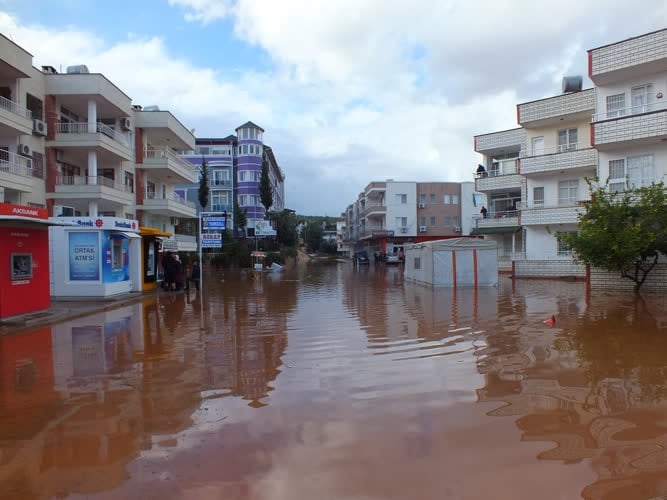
{"type": "Point", "coordinates": [572, 84]}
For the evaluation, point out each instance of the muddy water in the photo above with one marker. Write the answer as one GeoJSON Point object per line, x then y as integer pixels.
{"type": "Point", "coordinates": [336, 383]}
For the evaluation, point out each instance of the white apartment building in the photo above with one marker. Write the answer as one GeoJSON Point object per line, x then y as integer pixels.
{"type": "Point", "coordinates": [615, 132]}
{"type": "Point", "coordinates": [74, 143]}
{"type": "Point", "coordinates": [629, 127]}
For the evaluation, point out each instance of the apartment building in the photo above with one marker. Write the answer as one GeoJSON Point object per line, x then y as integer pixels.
{"type": "Point", "coordinates": [389, 213]}
{"type": "Point", "coordinates": [234, 167]}
{"type": "Point", "coordinates": [615, 132]}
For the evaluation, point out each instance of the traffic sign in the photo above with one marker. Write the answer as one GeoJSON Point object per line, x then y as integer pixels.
{"type": "Point", "coordinates": [211, 240]}
{"type": "Point", "coordinates": [210, 222]}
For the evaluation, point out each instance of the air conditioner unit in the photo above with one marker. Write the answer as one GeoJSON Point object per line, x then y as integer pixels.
{"type": "Point", "coordinates": [38, 127]}
{"type": "Point", "coordinates": [24, 150]}
{"type": "Point", "coordinates": [125, 124]}
{"type": "Point", "coordinates": [457, 229]}
{"type": "Point", "coordinates": [174, 221]}
{"type": "Point", "coordinates": [422, 229]}
{"type": "Point", "coordinates": [404, 229]}
{"type": "Point", "coordinates": [422, 205]}
{"type": "Point", "coordinates": [62, 211]}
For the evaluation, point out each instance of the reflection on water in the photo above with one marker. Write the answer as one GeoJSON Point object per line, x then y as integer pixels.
{"type": "Point", "coordinates": [330, 382]}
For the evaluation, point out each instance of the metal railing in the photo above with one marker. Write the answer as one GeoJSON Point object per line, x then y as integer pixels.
{"type": "Point", "coordinates": [500, 168]}
{"type": "Point", "coordinates": [15, 108]}
{"type": "Point", "coordinates": [80, 180]}
{"type": "Point", "coordinates": [220, 183]}
{"type": "Point", "coordinates": [166, 153]}
{"type": "Point", "coordinates": [151, 195]}
{"type": "Point", "coordinates": [86, 128]}
{"type": "Point", "coordinates": [629, 111]}
{"type": "Point", "coordinates": [16, 164]}
{"type": "Point", "coordinates": [561, 148]}
{"type": "Point", "coordinates": [221, 207]}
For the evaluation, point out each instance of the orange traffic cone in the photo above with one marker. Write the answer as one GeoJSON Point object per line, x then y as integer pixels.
{"type": "Point", "coordinates": [551, 321]}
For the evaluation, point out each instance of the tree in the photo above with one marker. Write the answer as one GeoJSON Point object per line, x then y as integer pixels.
{"type": "Point", "coordinates": [313, 235]}
{"type": "Point", "coordinates": [622, 232]}
{"type": "Point", "coordinates": [240, 216]}
{"type": "Point", "coordinates": [265, 189]}
{"type": "Point", "coordinates": [203, 185]}
{"type": "Point", "coordinates": [285, 224]}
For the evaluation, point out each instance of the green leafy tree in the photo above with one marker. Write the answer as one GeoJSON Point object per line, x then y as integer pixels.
{"type": "Point", "coordinates": [265, 189]}
{"type": "Point", "coordinates": [203, 185]}
{"type": "Point", "coordinates": [313, 235]}
{"type": "Point", "coordinates": [622, 232]}
{"type": "Point", "coordinates": [285, 224]}
{"type": "Point", "coordinates": [240, 216]}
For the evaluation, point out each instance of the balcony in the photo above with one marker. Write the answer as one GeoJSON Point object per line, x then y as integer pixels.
{"type": "Point", "coordinates": [14, 119]}
{"type": "Point", "coordinates": [109, 193]}
{"type": "Point", "coordinates": [537, 215]}
{"type": "Point", "coordinates": [578, 105]}
{"type": "Point", "coordinates": [376, 231]}
{"type": "Point", "coordinates": [161, 127]}
{"type": "Point", "coordinates": [629, 58]}
{"type": "Point", "coordinates": [503, 174]}
{"type": "Point", "coordinates": [220, 183]}
{"type": "Point", "coordinates": [374, 210]}
{"type": "Point", "coordinates": [16, 172]}
{"type": "Point", "coordinates": [637, 125]}
{"type": "Point", "coordinates": [375, 188]}
{"type": "Point", "coordinates": [92, 136]}
{"type": "Point", "coordinates": [506, 141]}
{"type": "Point", "coordinates": [565, 157]}
{"type": "Point", "coordinates": [169, 205]}
{"type": "Point", "coordinates": [167, 167]}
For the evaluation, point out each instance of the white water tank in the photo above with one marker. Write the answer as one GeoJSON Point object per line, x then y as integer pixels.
{"type": "Point", "coordinates": [78, 69]}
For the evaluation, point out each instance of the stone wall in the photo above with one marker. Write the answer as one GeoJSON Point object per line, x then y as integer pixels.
{"type": "Point", "coordinates": [549, 269]}
{"type": "Point", "coordinates": [655, 282]}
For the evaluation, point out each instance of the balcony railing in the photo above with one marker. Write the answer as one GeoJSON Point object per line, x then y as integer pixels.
{"type": "Point", "coordinates": [561, 148]}
{"type": "Point", "coordinates": [220, 183]}
{"type": "Point", "coordinates": [632, 110]}
{"type": "Point", "coordinates": [80, 180]}
{"type": "Point", "coordinates": [500, 168]}
{"type": "Point", "coordinates": [86, 128]}
{"type": "Point", "coordinates": [221, 207]}
{"type": "Point", "coordinates": [152, 153]}
{"type": "Point", "coordinates": [170, 197]}
{"type": "Point", "coordinates": [17, 164]}
{"type": "Point", "coordinates": [185, 238]}
{"type": "Point", "coordinates": [15, 108]}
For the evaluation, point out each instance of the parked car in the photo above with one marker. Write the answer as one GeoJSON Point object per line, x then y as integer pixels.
{"type": "Point", "coordinates": [361, 258]}
{"type": "Point", "coordinates": [392, 258]}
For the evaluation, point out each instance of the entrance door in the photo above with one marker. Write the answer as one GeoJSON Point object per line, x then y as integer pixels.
{"type": "Point", "coordinates": [537, 144]}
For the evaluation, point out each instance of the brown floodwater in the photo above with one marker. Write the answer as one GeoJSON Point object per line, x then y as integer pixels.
{"type": "Point", "coordinates": [329, 382]}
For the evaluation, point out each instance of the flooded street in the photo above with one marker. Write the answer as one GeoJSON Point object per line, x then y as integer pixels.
{"type": "Point", "coordinates": [329, 382]}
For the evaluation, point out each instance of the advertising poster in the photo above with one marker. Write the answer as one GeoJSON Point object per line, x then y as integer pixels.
{"type": "Point", "coordinates": [115, 263]}
{"type": "Point", "coordinates": [84, 256]}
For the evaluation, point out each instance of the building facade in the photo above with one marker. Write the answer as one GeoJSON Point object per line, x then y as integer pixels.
{"type": "Point", "coordinates": [388, 214]}
{"type": "Point", "coordinates": [234, 168]}
{"type": "Point", "coordinates": [614, 134]}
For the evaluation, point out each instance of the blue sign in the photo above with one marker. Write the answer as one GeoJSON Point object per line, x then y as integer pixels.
{"type": "Point", "coordinates": [214, 223]}
{"type": "Point", "coordinates": [84, 256]}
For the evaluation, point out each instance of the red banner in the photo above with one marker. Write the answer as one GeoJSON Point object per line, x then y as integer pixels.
{"type": "Point", "coordinates": [23, 211]}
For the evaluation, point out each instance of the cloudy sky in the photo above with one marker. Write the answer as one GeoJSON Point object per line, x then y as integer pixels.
{"type": "Point", "coordinates": [348, 91]}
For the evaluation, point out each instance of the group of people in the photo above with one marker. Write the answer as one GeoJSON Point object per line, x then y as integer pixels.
{"type": "Point", "coordinates": [175, 274]}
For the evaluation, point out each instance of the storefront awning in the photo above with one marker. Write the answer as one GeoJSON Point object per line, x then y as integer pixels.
{"type": "Point", "coordinates": [124, 234]}
{"type": "Point", "coordinates": [6, 220]}
{"type": "Point", "coordinates": [495, 230]}
{"type": "Point", "coordinates": [151, 231]}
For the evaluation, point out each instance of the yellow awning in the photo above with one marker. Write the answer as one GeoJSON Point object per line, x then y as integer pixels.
{"type": "Point", "coordinates": [151, 231]}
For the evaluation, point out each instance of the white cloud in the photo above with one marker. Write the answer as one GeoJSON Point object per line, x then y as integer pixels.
{"type": "Point", "coordinates": [357, 91]}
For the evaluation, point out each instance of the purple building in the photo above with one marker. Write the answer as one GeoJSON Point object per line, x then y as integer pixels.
{"type": "Point", "coordinates": [234, 165]}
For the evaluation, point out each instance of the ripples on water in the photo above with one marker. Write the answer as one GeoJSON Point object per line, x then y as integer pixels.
{"type": "Point", "coordinates": [329, 382]}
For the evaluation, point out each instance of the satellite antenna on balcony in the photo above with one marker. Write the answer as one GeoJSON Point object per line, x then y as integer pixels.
{"type": "Point", "coordinates": [572, 84]}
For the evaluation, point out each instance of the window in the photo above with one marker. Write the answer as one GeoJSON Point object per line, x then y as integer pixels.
{"type": "Point", "coordinates": [242, 175]}
{"type": "Point", "coordinates": [256, 176]}
{"type": "Point", "coordinates": [219, 201]}
{"type": "Point", "coordinates": [615, 105]}
{"type": "Point", "coordinates": [616, 175]}
{"type": "Point", "coordinates": [640, 171]}
{"type": "Point", "coordinates": [401, 221]}
{"type": "Point", "coordinates": [150, 189]}
{"type": "Point", "coordinates": [641, 96]}
{"type": "Point", "coordinates": [220, 178]}
{"type": "Point", "coordinates": [202, 150]}
{"type": "Point", "coordinates": [563, 248]}
{"type": "Point", "coordinates": [432, 221]}
{"type": "Point", "coordinates": [567, 139]}
{"type": "Point", "coordinates": [422, 221]}
{"type": "Point", "coordinates": [432, 198]}
{"type": "Point", "coordinates": [448, 221]}
{"type": "Point", "coordinates": [418, 262]}
{"type": "Point", "coordinates": [401, 199]}
{"type": "Point", "coordinates": [538, 196]}
{"type": "Point", "coordinates": [455, 199]}
{"type": "Point", "coordinates": [446, 199]}
{"type": "Point", "coordinates": [35, 106]}
{"type": "Point", "coordinates": [129, 182]}
{"type": "Point", "coordinates": [422, 198]}
{"type": "Point", "coordinates": [567, 192]}
{"type": "Point", "coordinates": [455, 220]}
{"type": "Point", "coordinates": [243, 200]}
